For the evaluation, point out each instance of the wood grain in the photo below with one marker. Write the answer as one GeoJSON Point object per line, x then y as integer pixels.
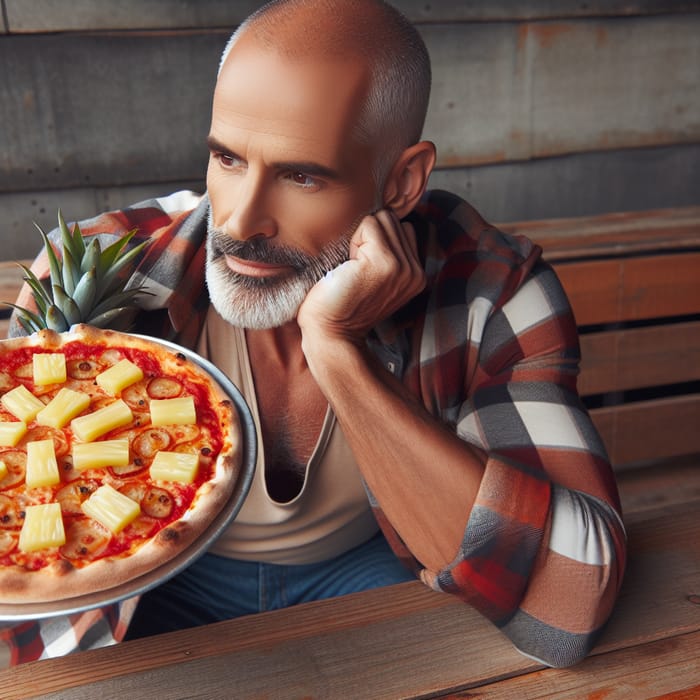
{"type": "Point", "coordinates": [45, 15]}
{"type": "Point", "coordinates": [639, 357]}
{"type": "Point", "coordinates": [502, 92]}
{"type": "Point", "coordinates": [645, 287]}
{"type": "Point", "coordinates": [614, 234]}
{"type": "Point", "coordinates": [643, 431]}
{"type": "Point", "coordinates": [400, 641]}
{"type": "Point", "coordinates": [644, 672]}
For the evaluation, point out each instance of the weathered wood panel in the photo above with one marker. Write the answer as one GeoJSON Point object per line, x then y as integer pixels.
{"type": "Point", "coordinates": [105, 109]}
{"type": "Point", "coordinates": [19, 209]}
{"type": "Point", "coordinates": [133, 108]}
{"type": "Point", "coordinates": [72, 15]}
{"type": "Point", "coordinates": [85, 15]}
{"type": "Point", "coordinates": [507, 91]}
{"type": "Point", "coordinates": [579, 184]}
{"type": "Point", "coordinates": [631, 83]}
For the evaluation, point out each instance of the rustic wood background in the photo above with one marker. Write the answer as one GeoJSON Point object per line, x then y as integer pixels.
{"type": "Point", "coordinates": [540, 108]}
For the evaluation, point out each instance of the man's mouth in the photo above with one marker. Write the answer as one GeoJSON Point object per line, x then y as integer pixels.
{"type": "Point", "coordinates": [256, 268]}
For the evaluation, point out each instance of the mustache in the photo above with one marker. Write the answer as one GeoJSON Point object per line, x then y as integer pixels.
{"type": "Point", "coordinates": [260, 249]}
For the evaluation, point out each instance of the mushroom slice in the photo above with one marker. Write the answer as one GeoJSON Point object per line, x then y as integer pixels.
{"type": "Point", "coordinates": [85, 540]}
{"type": "Point", "coordinates": [149, 442]}
{"type": "Point", "coordinates": [157, 502]}
{"type": "Point", "coordinates": [164, 388]}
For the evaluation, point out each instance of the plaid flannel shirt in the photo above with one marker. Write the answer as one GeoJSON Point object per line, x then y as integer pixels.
{"type": "Point", "coordinates": [490, 347]}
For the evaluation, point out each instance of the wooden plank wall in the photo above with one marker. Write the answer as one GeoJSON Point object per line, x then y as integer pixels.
{"type": "Point", "coordinates": [540, 108]}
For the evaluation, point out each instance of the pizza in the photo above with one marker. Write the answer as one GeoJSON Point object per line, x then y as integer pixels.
{"type": "Point", "coordinates": [116, 453]}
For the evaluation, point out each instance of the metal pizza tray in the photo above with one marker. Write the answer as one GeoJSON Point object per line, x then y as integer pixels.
{"type": "Point", "coordinates": [17, 612]}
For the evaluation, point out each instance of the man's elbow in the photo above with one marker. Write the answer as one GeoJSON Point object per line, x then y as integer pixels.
{"type": "Point", "coordinates": [572, 591]}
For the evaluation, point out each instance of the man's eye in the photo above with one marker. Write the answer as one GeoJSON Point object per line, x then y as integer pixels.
{"type": "Point", "coordinates": [302, 180]}
{"type": "Point", "coordinates": [228, 161]}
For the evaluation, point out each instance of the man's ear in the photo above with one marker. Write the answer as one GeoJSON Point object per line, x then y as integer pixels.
{"type": "Point", "coordinates": [409, 178]}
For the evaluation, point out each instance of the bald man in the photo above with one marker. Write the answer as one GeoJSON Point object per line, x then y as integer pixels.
{"type": "Point", "coordinates": [410, 369]}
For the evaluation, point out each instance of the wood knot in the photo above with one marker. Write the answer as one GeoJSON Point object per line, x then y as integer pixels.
{"type": "Point", "coordinates": [694, 599]}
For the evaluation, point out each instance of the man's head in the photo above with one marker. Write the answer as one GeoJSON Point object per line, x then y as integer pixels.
{"type": "Point", "coordinates": [374, 32]}
{"type": "Point", "coordinates": [316, 122]}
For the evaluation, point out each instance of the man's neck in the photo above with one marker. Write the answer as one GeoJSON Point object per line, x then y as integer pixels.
{"type": "Point", "coordinates": [281, 346]}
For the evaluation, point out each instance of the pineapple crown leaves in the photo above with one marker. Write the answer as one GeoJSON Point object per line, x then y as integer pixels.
{"type": "Point", "coordinates": [86, 284]}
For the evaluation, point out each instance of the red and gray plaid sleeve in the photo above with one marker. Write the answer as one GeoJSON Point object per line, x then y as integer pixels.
{"type": "Point", "coordinates": [542, 561]}
{"type": "Point", "coordinates": [64, 634]}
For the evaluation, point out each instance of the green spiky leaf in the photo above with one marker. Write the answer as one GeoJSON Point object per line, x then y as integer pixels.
{"type": "Point", "coordinates": [39, 291]}
{"type": "Point", "coordinates": [55, 320]}
{"type": "Point", "coordinates": [54, 264]}
{"type": "Point", "coordinates": [28, 319]}
{"type": "Point", "coordinates": [112, 252]}
{"type": "Point", "coordinates": [72, 241]}
{"type": "Point", "coordinates": [86, 284]}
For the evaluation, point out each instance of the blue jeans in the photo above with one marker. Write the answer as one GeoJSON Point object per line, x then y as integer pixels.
{"type": "Point", "coordinates": [216, 588]}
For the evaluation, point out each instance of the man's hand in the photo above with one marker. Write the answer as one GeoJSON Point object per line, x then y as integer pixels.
{"type": "Point", "coordinates": [423, 476]}
{"type": "Point", "coordinates": [382, 274]}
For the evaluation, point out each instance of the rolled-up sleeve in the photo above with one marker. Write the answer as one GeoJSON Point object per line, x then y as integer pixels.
{"type": "Point", "coordinates": [543, 553]}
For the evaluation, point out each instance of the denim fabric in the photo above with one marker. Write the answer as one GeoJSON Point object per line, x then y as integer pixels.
{"type": "Point", "coordinates": [217, 588]}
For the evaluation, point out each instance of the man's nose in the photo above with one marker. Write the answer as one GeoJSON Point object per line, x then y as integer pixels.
{"type": "Point", "coordinates": [251, 213]}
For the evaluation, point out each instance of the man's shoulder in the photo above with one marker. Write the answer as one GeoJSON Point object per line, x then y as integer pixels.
{"type": "Point", "coordinates": [453, 227]}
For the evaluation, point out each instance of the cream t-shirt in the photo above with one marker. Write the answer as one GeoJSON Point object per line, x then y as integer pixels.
{"type": "Point", "coordinates": [329, 516]}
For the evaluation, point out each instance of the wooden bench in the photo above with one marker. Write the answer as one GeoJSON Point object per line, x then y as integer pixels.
{"type": "Point", "coordinates": [634, 282]}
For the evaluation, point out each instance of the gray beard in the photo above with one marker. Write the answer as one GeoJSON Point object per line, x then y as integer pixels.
{"type": "Point", "coordinates": [258, 303]}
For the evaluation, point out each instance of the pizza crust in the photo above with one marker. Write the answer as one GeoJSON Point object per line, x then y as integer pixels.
{"type": "Point", "coordinates": [62, 579]}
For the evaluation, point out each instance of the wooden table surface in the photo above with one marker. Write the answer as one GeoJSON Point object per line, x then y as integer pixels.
{"type": "Point", "coordinates": [406, 641]}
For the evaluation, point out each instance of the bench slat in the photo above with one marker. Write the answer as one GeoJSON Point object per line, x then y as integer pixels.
{"type": "Point", "coordinates": [609, 291]}
{"type": "Point", "coordinates": [619, 233]}
{"type": "Point", "coordinates": [649, 430]}
{"type": "Point", "coordinates": [639, 357]}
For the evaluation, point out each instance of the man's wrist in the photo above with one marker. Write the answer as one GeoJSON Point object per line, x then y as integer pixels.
{"type": "Point", "coordinates": [331, 354]}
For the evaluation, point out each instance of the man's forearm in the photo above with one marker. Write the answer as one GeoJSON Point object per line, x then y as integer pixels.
{"type": "Point", "coordinates": [423, 476]}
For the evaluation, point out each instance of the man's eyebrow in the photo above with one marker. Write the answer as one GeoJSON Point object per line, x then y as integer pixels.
{"type": "Point", "coordinates": [308, 167]}
{"type": "Point", "coordinates": [215, 146]}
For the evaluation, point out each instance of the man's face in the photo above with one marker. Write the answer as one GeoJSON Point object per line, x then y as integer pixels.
{"type": "Point", "coordinates": [288, 182]}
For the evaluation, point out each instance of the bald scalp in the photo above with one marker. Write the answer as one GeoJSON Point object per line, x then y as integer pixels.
{"type": "Point", "coordinates": [370, 31]}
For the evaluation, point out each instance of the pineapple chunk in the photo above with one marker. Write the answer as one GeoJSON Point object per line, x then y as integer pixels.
{"type": "Point", "coordinates": [111, 508]}
{"type": "Point", "coordinates": [42, 527]}
{"type": "Point", "coordinates": [22, 404]}
{"type": "Point", "coordinates": [93, 425]}
{"type": "Point", "coordinates": [11, 432]}
{"type": "Point", "coordinates": [3, 469]}
{"type": "Point", "coordinates": [175, 466]}
{"type": "Point", "coordinates": [119, 376]}
{"type": "Point", "coordinates": [95, 455]}
{"type": "Point", "coordinates": [42, 467]}
{"type": "Point", "coordinates": [179, 411]}
{"type": "Point", "coordinates": [49, 368]}
{"type": "Point", "coordinates": [62, 408]}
